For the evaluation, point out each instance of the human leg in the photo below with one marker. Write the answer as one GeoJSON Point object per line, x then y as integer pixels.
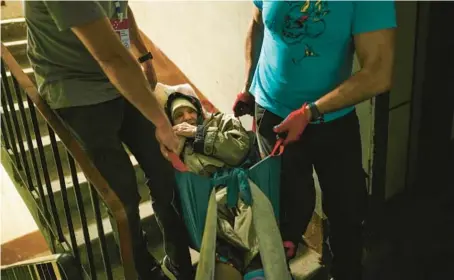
{"type": "Point", "coordinates": [139, 135]}
{"type": "Point", "coordinates": [297, 199]}
{"type": "Point", "coordinates": [342, 179]}
{"type": "Point", "coordinates": [97, 127]}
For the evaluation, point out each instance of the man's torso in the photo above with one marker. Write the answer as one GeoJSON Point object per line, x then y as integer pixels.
{"type": "Point", "coordinates": [307, 51]}
{"type": "Point", "coordinates": [66, 73]}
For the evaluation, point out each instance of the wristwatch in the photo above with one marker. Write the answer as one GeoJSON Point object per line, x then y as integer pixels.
{"type": "Point", "coordinates": [316, 115]}
{"type": "Point", "coordinates": [145, 57]}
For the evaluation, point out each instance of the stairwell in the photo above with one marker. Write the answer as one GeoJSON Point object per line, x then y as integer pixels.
{"type": "Point", "coordinates": [62, 182]}
{"type": "Point", "coordinates": [14, 38]}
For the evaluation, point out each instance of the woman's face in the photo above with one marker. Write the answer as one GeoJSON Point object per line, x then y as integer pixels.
{"type": "Point", "coordinates": [185, 114]}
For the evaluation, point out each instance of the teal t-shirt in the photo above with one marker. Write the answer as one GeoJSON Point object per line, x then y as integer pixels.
{"type": "Point", "coordinates": [308, 49]}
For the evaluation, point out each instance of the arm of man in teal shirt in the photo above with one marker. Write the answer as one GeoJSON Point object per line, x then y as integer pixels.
{"type": "Point", "coordinates": [373, 31]}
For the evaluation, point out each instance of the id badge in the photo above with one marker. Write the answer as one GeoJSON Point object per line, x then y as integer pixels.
{"type": "Point", "coordinates": [122, 29]}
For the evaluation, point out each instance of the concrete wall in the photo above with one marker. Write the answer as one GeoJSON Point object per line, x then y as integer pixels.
{"type": "Point", "coordinates": [205, 39]}
{"type": "Point", "coordinates": [400, 99]}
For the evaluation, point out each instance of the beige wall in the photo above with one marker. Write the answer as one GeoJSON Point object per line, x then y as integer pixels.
{"type": "Point", "coordinates": [206, 40]}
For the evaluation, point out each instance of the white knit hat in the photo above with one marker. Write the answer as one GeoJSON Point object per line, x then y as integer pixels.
{"type": "Point", "coordinates": [181, 102]}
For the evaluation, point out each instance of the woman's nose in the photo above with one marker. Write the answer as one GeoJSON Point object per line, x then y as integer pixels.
{"type": "Point", "coordinates": [187, 116]}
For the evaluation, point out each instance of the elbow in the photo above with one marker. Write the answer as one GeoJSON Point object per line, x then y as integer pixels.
{"type": "Point", "coordinates": [111, 60]}
{"type": "Point", "coordinates": [380, 78]}
{"type": "Point", "coordinates": [384, 83]}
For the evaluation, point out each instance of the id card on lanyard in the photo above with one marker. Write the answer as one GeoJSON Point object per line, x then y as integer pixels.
{"type": "Point", "coordinates": [121, 25]}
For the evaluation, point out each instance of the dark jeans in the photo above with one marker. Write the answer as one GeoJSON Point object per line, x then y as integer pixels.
{"type": "Point", "coordinates": [101, 129]}
{"type": "Point", "coordinates": [334, 150]}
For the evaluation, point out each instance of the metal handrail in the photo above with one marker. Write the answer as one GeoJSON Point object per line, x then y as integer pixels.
{"type": "Point", "coordinates": [57, 266]}
{"type": "Point", "coordinates": [101, 186]}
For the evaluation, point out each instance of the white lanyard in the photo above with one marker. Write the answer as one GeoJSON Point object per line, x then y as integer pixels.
{"type": "Point", "coordinates": [118, 10]}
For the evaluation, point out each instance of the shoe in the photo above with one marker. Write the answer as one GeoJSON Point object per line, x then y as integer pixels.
{"type": "Point", "coordinates": [290, 249]}
{"type": "Point", "coordinates": [169, 269]}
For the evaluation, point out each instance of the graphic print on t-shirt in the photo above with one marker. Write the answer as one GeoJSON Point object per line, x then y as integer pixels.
{"type": "Point", "coordinates": [302, 21]}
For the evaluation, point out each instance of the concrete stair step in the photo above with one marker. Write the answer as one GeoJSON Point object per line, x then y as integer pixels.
{"type": "Point", "coordinates": [13, 29]}
{"type": "Point", "coordinates": [305, 266]}
{"type": "Point", "coordinates": [41, 122]}
{"type": "Point", "coordinates": [27, 70]}
{"type": "Point", "coordinates": [148, 221]}
{"type": "Point", "coordinates": [52, 167]}
{"type": "Point", "coordinates": [18, 49]}
{"type": "Point", "coordinates": [86, 202]}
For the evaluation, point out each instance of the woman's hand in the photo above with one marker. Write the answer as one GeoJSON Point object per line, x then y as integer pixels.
{"type": "Point", "coordinates": [185, 129]}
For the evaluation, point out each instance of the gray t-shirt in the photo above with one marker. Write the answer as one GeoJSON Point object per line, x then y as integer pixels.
{"type": "Point", "coordinates": [66, 73]}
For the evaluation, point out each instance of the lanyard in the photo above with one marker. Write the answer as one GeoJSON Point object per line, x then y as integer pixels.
{"type": "Point", "coordinates": [118, 10]}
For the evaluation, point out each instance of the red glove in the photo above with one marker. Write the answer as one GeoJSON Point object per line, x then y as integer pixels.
{"type": "Point", "coordinates": [293, 126]}
{"type": "Point", "coordinates": [177, 163]}
{"type": "Point", "coordinates": [244, 104]}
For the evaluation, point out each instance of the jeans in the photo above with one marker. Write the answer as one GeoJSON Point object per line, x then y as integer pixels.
{"type": "Point", "coordinates": [101, 129]}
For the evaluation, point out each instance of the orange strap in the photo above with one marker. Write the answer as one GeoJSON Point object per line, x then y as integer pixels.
{"type": "Point", "coordinates": [177, 163]}
{"type": "Point", "coordinates": [278, 146]}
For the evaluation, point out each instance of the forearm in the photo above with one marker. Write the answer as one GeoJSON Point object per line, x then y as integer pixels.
{"type": "Point", "coordinates": [126, 75]}
{"type": "Point", "coordinates": [253, 47]}
{"type": "Point", "coordinates": [138, 46]}
{"type": "Point", "coordinates": [362, 86]}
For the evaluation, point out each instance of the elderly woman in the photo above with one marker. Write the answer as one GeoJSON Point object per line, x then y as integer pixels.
{"type": "Point", "coordinates": [213, 142]}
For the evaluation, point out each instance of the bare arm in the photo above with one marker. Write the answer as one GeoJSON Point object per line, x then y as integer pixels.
{"type": "Point", "coordinates": [121, 68]}
{"type": "Point", "coordinates": [376, 55]}
{"type": "Point", "coordinates": [254, 41]}
{"type": "Point", "coordinates": [139, 49]}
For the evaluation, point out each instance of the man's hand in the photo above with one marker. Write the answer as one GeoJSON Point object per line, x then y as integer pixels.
{"type": "Point", "coordinates": [167, 139]}
{"type": "Point", "coordinates": [294, 124]}
{"type": "Point", "coordinates": [149, 72]}
{"type": "Point", "coordinates": [185, 129]}
{"type": "Point", "coordinates": [244, 104]}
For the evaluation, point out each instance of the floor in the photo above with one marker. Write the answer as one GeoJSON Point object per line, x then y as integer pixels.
{"type": "Point", "coordinates": [415, 240]}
